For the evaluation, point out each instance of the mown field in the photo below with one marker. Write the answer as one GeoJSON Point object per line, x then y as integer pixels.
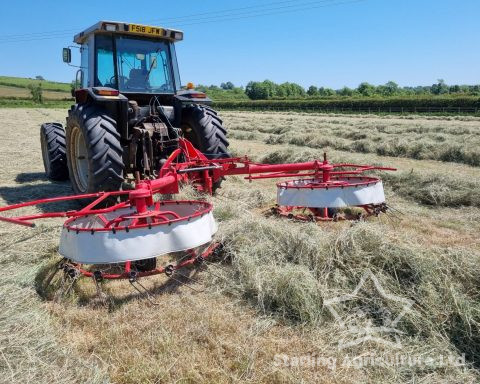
{"type": "Point", "coordinates": [267, 297]}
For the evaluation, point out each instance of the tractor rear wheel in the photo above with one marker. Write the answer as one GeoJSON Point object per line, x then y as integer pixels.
{"type": "Point", "coordinates": [204, 129]}
{"type": "Point", "coordinates": [52, 139]}
{"type": "Point", "coordinates": [94, 153]}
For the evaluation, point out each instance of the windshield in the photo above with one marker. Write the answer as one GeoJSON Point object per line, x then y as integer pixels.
{"type": "Point", "coordinates": [144, 66]}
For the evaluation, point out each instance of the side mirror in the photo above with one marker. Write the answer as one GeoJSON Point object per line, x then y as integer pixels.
{"type": "Point", "coordinates": [67, 55]}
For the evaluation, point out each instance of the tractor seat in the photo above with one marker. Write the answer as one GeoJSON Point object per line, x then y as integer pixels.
{"type": "Point", "coordinates": [136, 79]}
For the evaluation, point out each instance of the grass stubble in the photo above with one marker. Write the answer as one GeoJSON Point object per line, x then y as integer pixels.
{"type": "Point", "coordinates": [268, 298]}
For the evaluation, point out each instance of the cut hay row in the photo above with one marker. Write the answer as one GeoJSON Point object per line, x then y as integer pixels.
{"type": "Point", "coordinates": [444, 140]}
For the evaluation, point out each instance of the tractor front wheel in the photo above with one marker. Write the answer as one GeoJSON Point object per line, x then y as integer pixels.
{"type": "Point", "coordinates": [94, 153]}
{"type": "Point", "coordinates": [52, 139]}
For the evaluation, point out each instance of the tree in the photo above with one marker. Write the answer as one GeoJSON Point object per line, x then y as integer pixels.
{"type": "Point", "coordinates": [389, 89]}
{"type": "Point", "coordinates": [312, 91]}
{"type": "Point", "coordinates": [227, 86]}
{"type": "Point", "coordinates": [345, 91]}
{"type": "Point", "coordinates": [366, 89]}
{"type": "Point", "coordinates": [36, 92]}
{"type": "Point", "coordinates": [475, 89]}
{"type": "Point", "coordinates": [454, 89]}
{"type": "Point", "coordinates": [39, 78]}
{"type": "Point", "coordinates": [290, 90]}
{"type": "Point", "coordinates": [261, 90]}
{"type": "Point", "coordinates": [440, 88]}
{"type": "Point", "coordinates": [325, 92]}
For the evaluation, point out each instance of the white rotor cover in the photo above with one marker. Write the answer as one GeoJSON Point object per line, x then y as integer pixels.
{"type": "Point", "coordinates": [333, 197]}
{"type": "Point", "coordinates": [105, 247]}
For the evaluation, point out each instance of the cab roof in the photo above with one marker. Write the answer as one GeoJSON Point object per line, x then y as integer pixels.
{"type": "Point", "coordinates": [129, 28]}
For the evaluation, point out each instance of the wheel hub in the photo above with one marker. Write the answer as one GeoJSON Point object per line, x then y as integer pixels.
{"type": "Point", "coordinates": [79, 159]}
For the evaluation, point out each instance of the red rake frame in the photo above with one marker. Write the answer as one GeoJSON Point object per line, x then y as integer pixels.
{"type": "Point", "coordinates": [202, 173]}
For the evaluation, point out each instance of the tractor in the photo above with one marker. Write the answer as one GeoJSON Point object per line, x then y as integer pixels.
{"type": "Point", "coordinates": [130, 110]}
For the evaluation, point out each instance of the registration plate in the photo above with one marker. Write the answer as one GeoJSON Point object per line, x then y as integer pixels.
{"type": "Point", "coordinates": [145, 30]}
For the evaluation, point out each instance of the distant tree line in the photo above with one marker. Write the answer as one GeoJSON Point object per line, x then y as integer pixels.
{"type": "Point", "coordinates": [268, 90]}
{"type": "Point", "coordinates": [226, 91]}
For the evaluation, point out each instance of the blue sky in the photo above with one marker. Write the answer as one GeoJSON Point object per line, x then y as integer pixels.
{"type": "Point", "coordinates": [413, 42]}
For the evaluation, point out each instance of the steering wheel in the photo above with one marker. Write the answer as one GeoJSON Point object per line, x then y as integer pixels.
{"type": "Point", "coordinates": [121, 80]}
{"type": "Point", "coordinates": [164, 87]}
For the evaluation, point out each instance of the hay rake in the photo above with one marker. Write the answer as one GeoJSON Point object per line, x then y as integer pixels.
{"type": "Point", "coordinates": [134, 232]}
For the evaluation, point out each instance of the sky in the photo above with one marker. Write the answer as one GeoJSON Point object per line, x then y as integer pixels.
{"type": "Point", "coordinates": [332, 43]}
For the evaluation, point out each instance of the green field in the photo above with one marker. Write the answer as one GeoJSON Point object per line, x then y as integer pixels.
{"type": "Point", "coordinates": [21, 82]}
{"type": "Point", "coordinates": [14, 93]}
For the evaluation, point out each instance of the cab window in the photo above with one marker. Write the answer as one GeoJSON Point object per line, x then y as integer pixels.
{"type": "Point", "coordinates": [144, 65]}
{"type": "Point", "coordinates": [105, 73]}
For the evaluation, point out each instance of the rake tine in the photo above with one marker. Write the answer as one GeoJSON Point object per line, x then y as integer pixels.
{"type": "Point", "coordinates": [59, 292]}
{"type": "Point", "coordinates": [189, 254]}
{"type": "Point", "coordinates": [389, 212]}
{"type": "Point", "coordinates": [62, 292]}
{"type": "Point", "coordinates": [144, 292]}
{"type": "Point", "coordinates": [186, 277]}
{"type": "Point", "coordinates": [53, 274]}
{"type": "Point", "coordinates": [72, 283]}
{"type": "Point", "coordinates": [395, 209]}
{"type": "Point", "coordinates": [208, 264]}
{"type": "Point", "coordinates": [380, 219]}
{"type": "Point", "coordinates": [390, 218]}
{"type": "Point", "coordinates": [217, 265]}
{"type": "Point", "coordinates": [395, 216]}
{"type": "Point", "coordinates": [187, 285]}
{"type": "Point", "coordinates": [207, 269]}
{"type": "Point", "coordinates": [98, 288]}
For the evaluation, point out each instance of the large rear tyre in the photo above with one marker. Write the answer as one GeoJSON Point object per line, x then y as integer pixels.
{"type": "Point", "coordinates": [204, 129]}
{"type": "Point", "coordinates": [94, 153]}
{"type": "Point", "coordinates": [52, 139]}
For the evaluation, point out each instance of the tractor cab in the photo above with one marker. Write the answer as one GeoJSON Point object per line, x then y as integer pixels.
{"type": "Point", "coordinates": [131, 58]}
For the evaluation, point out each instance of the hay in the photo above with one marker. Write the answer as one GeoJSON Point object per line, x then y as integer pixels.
{"type": "Point", "coordinates": [268, 296]}
{"type": "Point", "coordinates": [289, 270]}
{"type": "Point", "coordinates": [444, 139]}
